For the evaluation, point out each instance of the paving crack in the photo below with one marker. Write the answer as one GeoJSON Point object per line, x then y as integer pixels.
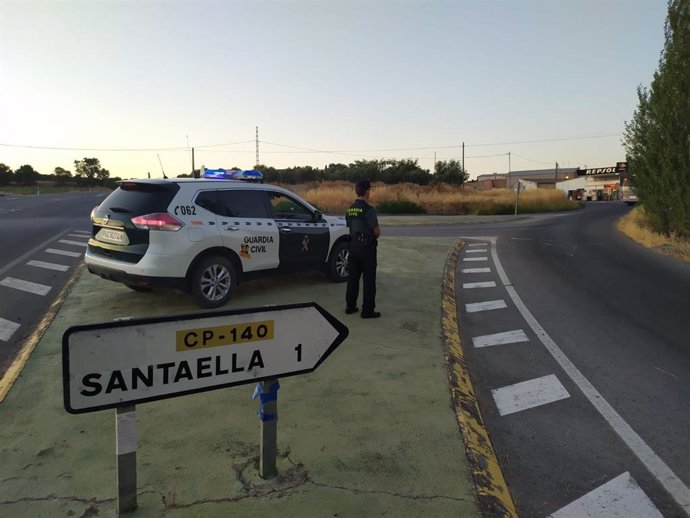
{"type": "Point", "coordinates": [390, 493]}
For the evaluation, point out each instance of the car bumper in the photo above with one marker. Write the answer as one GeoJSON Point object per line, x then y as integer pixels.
{"type": "Point", "coordinates": [111, 274]}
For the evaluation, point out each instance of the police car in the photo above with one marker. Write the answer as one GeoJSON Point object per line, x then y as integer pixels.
{"type": "Point", "coordinates": [203, 236]}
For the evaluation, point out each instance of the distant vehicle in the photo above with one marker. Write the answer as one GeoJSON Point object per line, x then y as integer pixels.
{"type": "Point", "coordinates": [628, 195]}
{"type": "Point", "coordinates": [202, 236]}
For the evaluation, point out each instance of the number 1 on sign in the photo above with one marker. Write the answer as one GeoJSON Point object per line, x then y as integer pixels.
{"type": "Point", "coordinates": [299, 352]}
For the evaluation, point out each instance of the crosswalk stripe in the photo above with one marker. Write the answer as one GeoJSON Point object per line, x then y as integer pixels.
{"type": "Point", "coordinates": [618, 498]}
{"type": "Point", "coordinates": [486, 284]}
{"type": "Point", "coordinates": [63, 252]}
{"type": "Point", "coordinates": [505, 338]}
{"type": "Point", "coordinates": [476, 270]}
{"type": "Point", "coordinates": [528, 394]}
{"type": "Point", "coordinates": [488, 305]}
{"type": "Point", "coordinates": [31, 287]}
{"type": "Point", "coordinates": [477, 244]}
{"type": "Point", "coordinates": [7, 329]}
{"type": "Point", "coordinates": [68, 242]}
{"type": "Point", "coordinates": [476, 251]}
{"type": "Point", "coordinates": [475, 259]}
{"type": "Point", "coordinates": [49, 266]}
{"type": "Point", "coordinates": [77, 235]}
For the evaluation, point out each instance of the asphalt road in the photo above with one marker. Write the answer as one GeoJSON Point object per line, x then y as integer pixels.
{"type": "Point", "coordinates": [586, 401]}
{"type": "Point", "coordinates": [43, 239]}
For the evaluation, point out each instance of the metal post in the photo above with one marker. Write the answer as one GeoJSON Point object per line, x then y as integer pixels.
{"type": "Point", "coordinates": [267, 392]}
{"type": "Point", "coordinates": [126, 451]}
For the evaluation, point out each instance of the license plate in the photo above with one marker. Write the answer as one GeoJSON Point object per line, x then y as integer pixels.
{"type": "Point", "coordinates": [109, 235]}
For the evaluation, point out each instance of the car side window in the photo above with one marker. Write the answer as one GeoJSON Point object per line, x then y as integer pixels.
{"type": "Point", "coordinates": [285, 207]}
{"type": "Point", "coordinates": [243, 204]}
{"type": "Point", "coordinates": [208, 200]}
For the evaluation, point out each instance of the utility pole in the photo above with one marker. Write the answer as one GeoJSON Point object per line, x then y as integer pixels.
{"type": "Point", "coordinates": [193, 169]}
{"type": "Point", "coordinates": [463, 156]}
{"type": "Point", "coordinates": [509, 169]}
{"type": "Point", "coordinates": [434, 161]}
{"type": "Point", "coordinates": [257, 145]}
{"type": "Point", "coordinates": [556, 172]}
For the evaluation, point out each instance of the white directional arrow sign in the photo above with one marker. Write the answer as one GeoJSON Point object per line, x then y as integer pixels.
{"type": "Point", "coordinates": [133, 361]}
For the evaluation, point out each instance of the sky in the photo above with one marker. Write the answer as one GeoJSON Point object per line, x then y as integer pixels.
{"type": "Point", "coordinates": [136, 84]}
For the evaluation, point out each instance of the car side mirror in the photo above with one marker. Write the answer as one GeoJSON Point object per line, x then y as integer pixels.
{"type": "Point", "coordinates": [317, 215]}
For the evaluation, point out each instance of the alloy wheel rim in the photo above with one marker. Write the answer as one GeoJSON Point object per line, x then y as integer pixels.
{"type": "Point", "coordinates": [215, 282]}
{"type": "Point", "coordinates": [341, 263]}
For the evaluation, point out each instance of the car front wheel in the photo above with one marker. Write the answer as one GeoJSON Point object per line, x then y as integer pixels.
{"type": "Point", "coordinates": [213, 281]}
{"type": "Point", "coordinates": [338, 270]}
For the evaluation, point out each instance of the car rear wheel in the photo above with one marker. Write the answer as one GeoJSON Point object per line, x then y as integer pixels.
{"type": "Point", "coordinates": [213, 281]}
{"type": "Point", "coordinates": [338, 270]}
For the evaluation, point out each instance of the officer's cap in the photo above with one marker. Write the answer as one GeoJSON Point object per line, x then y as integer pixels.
{"type": "Point", "coordinates": [362, 186]}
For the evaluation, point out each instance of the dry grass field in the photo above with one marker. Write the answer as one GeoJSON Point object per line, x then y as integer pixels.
{"type": "Point", "coordinates": [335, 197]}
{"type": "Point", "coordinates": [635, 226]}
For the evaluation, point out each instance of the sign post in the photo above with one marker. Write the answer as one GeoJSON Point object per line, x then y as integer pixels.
{"type": "Point", "coordinates": [123, 363]}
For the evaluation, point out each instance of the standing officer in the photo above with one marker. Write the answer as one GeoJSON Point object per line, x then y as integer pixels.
{"type": "Point", "coordinates": [364, 233]}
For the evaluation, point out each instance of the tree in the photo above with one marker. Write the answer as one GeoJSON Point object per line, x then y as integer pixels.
{"type": "Point", "coordinates": [26, 175]}
{"type": "Point", "coordinates": [657, 139]}
{"type": "Point", "coordinates": [451, 172]}
{"type": "Point", "coordinates": [90, 172]}
{"type": "Point", "coordinates": [62, 176]}
{"type": "Point", "coordinates": [6, 174]}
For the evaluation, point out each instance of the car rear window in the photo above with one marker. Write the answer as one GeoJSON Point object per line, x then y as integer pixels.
{"type": "Point", "coordinates": [140, 198]}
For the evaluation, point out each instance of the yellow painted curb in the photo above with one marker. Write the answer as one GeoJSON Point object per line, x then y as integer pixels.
{"type": "Point", "coordinates": [492, 491]}
{"type": "Point", "coordinates": [15, 369]}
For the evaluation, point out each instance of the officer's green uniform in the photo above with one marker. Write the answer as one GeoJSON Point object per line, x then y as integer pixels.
{"type": "Point", "coordinates": [362, 220]}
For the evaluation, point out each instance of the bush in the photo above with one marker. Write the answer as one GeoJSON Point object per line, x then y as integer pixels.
{"type": "Point", "coordinates": [400, 207]}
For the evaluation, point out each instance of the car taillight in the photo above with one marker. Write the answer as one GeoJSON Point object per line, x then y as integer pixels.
{"type": "Point", "coordinates": [158, 221]}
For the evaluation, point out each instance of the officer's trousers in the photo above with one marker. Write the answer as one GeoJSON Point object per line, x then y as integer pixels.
{"type": "Point", "coordinates": [362, 263]}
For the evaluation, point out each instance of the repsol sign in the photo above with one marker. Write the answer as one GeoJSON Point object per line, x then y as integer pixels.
{"type": "Point", "coordinates": [598, 170]}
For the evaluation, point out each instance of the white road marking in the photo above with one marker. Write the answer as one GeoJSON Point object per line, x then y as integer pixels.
{"type": "Point", "coordinates": [485, 306]}
{"type": "Point", "coordinates": [63, 252]}
{"type": "Point", "coordinates": [31, 287]}
{"type": "Point", "coordinates": [508, 337]}
{"type": "Point", "coordinates": [77, 235]}
{"type": "Point", "coordinates": [657, 467]}
{"type": "Point", "coordinates": [475, 259]}
{"type": "Point", "coordinates": [7, 329]}
{"type": "Point", "coordinates": [476, 270]}
{"type": "Point", "coordinates": [68, 242]}
{"type": "Point", "coordinates": [49, 266]}
{"type": "Point", "coordinates": [476, 251]}
{"type": "Point", "coordinates": [529, 394]}
{"type": "Point", "coordinates": [486, 284]}
{"type": "Point", "coordinates": [477, 244]}
{"type": "Point", "coordinates": [30, 253]}
{"type": "Point", "coordinates": [618, 498]}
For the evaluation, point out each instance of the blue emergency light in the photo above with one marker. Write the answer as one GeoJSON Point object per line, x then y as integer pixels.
{"type": "Point", "coordinates": [250, 175]}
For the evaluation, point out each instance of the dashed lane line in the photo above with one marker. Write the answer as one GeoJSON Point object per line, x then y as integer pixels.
{"type": "Point", "coordinates": [529, 394]}
{"type": "Point", "coordinates": [66, 253]}
{"type": "Point", "coordinates": [476, 270]}
{"type": "Point", "coordinates": [618, 498]}
{"type": "Point", "coordinates": [505, 338]}
{"type": "Point", "coordinates": [473, 285]}
{"type": "Point", "coordinates": [7, 329]}
{"type": "Point", "coordinates": [30, 287]}
{"type": "Point", "coordinates": [487, 305]}
{"type": "Point", "coordinates": [31, 252]}
{"type": "Point", "coordinates": [69, 242]}
{"type": "Point", "coordinates": [656, 466]}
{"type": "Point", "coordinates": [49, 266]}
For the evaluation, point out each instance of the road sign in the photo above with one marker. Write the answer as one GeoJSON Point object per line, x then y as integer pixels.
{"type": "Point", "coordinates": [123, 363]}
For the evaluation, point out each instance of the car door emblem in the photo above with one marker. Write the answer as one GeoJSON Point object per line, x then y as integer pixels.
{"type": "Point", "coordinates": [305, 244]}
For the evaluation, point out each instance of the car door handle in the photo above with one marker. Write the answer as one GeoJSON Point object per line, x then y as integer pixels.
{"type": "Point", "coordinates": [286, 230]}
{"type": "Point", "coordinates": [232, 229]}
